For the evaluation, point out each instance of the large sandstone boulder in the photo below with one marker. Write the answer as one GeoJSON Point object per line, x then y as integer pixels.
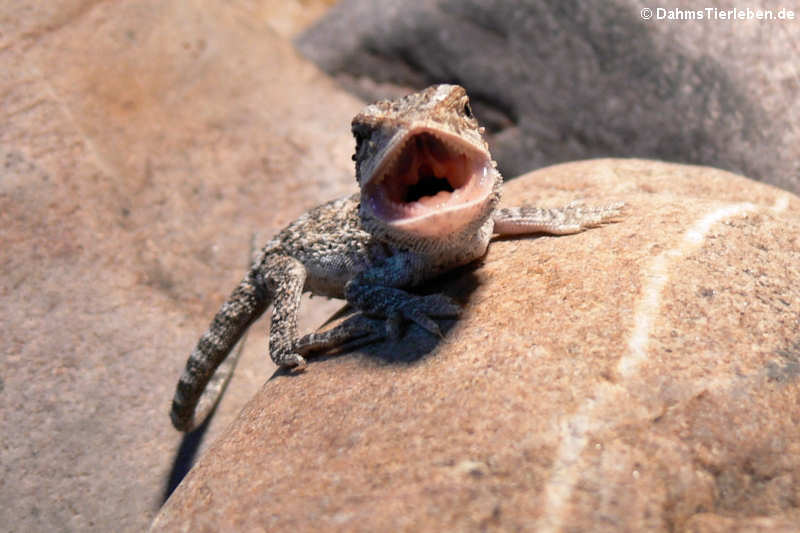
{"type": "Point", "coordinates": [559, 81]}
{"type": "Point", "coordinates": [142, 144]}
{"type": "Point", "coordinates": [642, 376]}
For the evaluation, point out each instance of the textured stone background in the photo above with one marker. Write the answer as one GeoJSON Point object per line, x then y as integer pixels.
{"type": "Point", "coordinates": [143, 143]}
{"type": "Point", "coordinates": [563, 80]}
{"type": "Point", "coordinates": [643, 376]}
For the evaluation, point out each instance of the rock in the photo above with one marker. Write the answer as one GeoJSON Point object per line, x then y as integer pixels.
{"type": "Point", "coordinates": [558, 82]}
{"type": "Point", "coordinates": [143, 143]}
{"type": "Point", "coordinates": [708, 523]}
{"type": "Point", "coordinates": [640, 376]}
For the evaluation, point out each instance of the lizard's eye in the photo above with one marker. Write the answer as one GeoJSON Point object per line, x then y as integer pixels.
{"type": "Point", "coordinates": [467, 110]}
{"type": "Point", "coordinates": [359, 137]}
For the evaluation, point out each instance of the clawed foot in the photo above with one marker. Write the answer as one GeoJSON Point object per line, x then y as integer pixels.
{"type": "Point", "coordinates": [421, 310]}
{"type": "Point", "coordinates": [592, 216]}
{"type": "Point", "coordinates": [357, 330]}
{"type": "Point", "coordinates": [364, 329]}
{"type": "Point", "coordinates": [293, 361]}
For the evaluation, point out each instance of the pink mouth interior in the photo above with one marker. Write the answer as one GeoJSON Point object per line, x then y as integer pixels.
{"type": "Point", "coordinates": [429, 174]}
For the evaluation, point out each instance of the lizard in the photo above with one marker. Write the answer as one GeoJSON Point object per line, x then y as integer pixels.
{"type": "Point", "coordinates": [427, 203]}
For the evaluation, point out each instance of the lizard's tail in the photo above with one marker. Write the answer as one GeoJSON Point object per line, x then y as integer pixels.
{"type": "Point", "coordinates": [207, 372]}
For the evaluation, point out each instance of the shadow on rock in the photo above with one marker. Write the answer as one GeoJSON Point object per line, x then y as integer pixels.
{"type": "Point", "coordinates": [415, 344]}
{"type": "Point", "coordinates": [185, 456]}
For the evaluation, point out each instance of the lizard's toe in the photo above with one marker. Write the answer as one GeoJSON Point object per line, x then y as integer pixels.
{"type": "Point", "coordinates": [422, 320]}
{"type": "Point", "coordinates": [293, 361]}
{"type": "Point", "coordinates": [438, 305]}
{"type": "Point", "coordinates": [419, 311]}
{"type": "Point", "coordinates": [394, 326]}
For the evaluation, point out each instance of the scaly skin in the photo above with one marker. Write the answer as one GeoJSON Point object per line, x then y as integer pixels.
{"type": "Point", "coordinates": [428, 204]}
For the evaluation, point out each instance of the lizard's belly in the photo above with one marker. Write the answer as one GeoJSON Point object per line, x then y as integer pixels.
{"type": "Point", "coordinates": [328, 277]}
{"type": "Point", "coordinates": [331, 288]}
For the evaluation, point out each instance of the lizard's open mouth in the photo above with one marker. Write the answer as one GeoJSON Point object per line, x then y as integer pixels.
{"type": "Point", "coordinates": [431, 182]}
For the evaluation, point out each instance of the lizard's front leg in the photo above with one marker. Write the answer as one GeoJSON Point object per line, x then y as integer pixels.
{"type": "Point", "coordinates": [377, 292]}
{"type": "Point", "coordinates": [572, 218]}
{"type": "Point", "coordinates": [285, 277]}
{"type": "Point", "coordinates": [384, 305]}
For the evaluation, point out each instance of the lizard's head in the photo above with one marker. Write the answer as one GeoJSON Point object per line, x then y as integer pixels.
{"type": "Point", "coordinates": [423, 166]}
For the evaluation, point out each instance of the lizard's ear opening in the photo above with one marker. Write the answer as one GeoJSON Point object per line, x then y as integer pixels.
{"type": "Point", "coordinates": [428, 174]}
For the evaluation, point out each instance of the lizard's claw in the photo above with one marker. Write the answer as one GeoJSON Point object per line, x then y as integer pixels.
{"type": "Point", "coordinates": [421, 319]}
{"type": "Point", "coordinates": [439, 305]}
{"type": "Point", "coordinates": [394, 326]}
{"type": "Point", "coordinates": [420, 309]}
{"type": "Point", "coordinates": [294, 362]}
{"type": "Point", "coordinates": [396, 306]}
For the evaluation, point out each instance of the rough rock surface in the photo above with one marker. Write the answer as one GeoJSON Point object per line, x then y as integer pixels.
{"type": "Point", "coordinates": [644, 376]}
{"type": "Point", "coordinates": [142, 144]}
{"type": "Point", "coordinates": [559, 81]}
